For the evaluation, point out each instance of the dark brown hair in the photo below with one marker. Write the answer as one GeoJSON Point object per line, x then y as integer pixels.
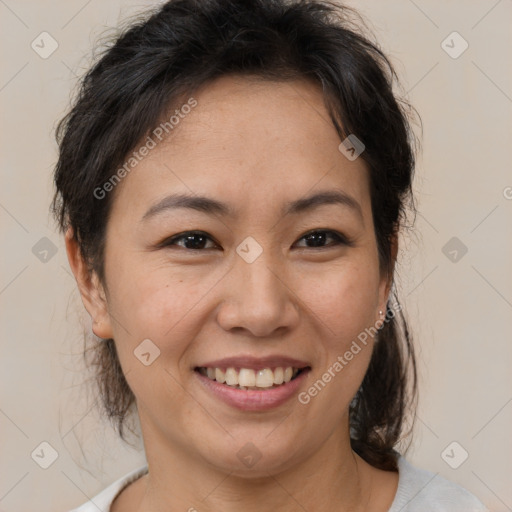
{"type": "Point", "coordinates": [185, 44]}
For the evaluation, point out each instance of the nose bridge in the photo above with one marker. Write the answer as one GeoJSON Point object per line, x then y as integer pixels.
{"type": "Point", "coordinates": [258, 271]}
{"type": "Point", "coordinates": [257, 298]}
{"type": "Point", "coordinates": [259, 277]}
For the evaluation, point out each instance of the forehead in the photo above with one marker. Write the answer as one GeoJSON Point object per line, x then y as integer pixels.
{"type": "Point", "coordinates": [239, 115]}
{"type": "Point", "coordinates": [250, 143]}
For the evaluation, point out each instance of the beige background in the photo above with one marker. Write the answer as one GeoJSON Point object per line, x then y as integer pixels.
{"type": "Point", "coordinates": [460, 312]}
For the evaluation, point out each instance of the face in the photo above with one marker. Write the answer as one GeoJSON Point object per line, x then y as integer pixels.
{"type": "Point", "coordinates": [266, 277]}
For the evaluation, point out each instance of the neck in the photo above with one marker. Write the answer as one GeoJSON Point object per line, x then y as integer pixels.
{"type": "Point", "coordinates": [333, 474]}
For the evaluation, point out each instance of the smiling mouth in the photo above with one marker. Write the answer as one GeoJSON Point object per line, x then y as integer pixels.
{"type": "Point", "coordinates": [249, 379]}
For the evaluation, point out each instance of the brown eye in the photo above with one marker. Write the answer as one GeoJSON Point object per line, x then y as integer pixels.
{"type": "Point", "coordinates": [191, 240]}
{"type": "Point", "coordinates": [318, 238]}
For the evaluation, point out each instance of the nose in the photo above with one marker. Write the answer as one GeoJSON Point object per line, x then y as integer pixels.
{"type": "Point", "coordinates": [258, 298]}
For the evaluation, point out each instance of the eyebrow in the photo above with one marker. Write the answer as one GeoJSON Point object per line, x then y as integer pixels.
{"type": "Point", "coordinates": [213, 207]}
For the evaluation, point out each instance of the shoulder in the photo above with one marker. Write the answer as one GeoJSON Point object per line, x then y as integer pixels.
{"type": "Point", "coordinates": [103, 501]}
{"type": "Point", "coordinates": [420, 490]}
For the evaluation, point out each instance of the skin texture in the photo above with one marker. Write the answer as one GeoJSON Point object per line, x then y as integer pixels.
{"type": "Point", "coordinates": [256, 146]}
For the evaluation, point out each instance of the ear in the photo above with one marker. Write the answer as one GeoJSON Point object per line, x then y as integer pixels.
{"type": "Point", "coordinates": [91, 290]}
{"type": "Point", "coordinates": [387, 279]}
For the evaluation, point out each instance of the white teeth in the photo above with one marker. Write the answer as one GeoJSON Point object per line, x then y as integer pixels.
{"type": "Point", "coordinates": [247, 378]}
{"type": "Point", "coordinates": [278, 376]}
{"type": "Point", "coordinates": [265, 378]}
{"type": "Point", "coordinates": [220, 376]}
{"type": "Point", "coordinates": [231, 377]}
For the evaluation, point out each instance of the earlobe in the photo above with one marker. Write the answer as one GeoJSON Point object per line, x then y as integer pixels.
{"type": "Point", "coordinates": [91, 290]}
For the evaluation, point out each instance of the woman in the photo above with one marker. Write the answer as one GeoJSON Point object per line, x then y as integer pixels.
{"type": "Point", "coordinates": [232, 181]}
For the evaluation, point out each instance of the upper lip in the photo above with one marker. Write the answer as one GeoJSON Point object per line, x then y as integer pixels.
{"type": "Point", "coordinates": [255, 363]}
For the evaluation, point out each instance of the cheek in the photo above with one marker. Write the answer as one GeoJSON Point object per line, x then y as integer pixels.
{"type": "Point", "coordinates": [343, 302]}
{"type": "Point", "coordinates": [343, 299]}
{"type": "Point", "coordinates": [158, 303]}
{"type": "Point", "coordinates": [164, 307]}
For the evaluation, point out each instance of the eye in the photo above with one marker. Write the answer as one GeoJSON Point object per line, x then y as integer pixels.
{"type": "Point", "coordinates": [192, 240]}
{"type": "Point", "coordinates": [317, 239]}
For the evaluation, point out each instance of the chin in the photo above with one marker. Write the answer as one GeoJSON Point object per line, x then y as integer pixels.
{"type": "Point", "coordinates": [251, 456]}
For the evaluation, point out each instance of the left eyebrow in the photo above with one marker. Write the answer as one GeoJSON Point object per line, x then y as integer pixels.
{"type": "Point", "coordinates": [322, 198]}
{"type": "Point", "coordinates": [200, 203]}
{"type": "Point", "coordinates": [211, 206]}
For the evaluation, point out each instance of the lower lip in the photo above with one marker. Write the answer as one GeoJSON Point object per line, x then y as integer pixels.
{"type": "Point", "coordinates": [253, 400]}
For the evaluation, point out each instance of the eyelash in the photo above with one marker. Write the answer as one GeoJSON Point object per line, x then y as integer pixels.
{"type": "Point", "coordinates": [339, 238]}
